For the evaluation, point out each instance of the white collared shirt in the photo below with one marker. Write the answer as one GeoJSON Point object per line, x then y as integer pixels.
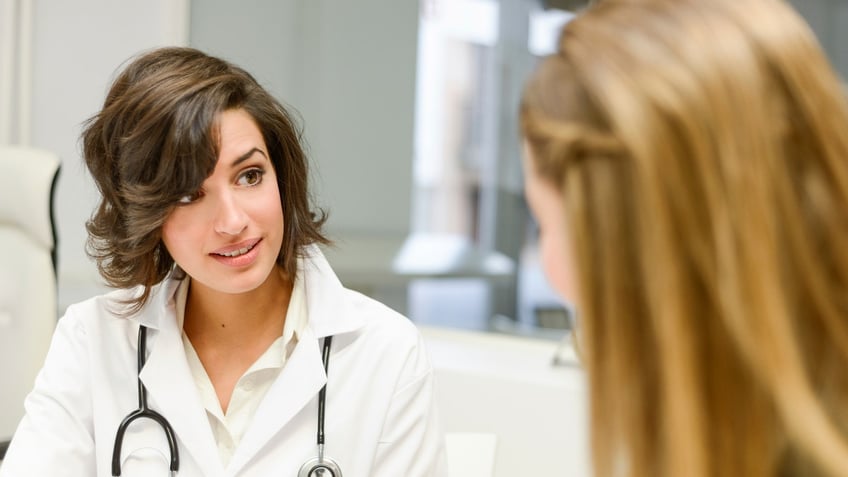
{"type": "Point", "coordinates": [228, 428]}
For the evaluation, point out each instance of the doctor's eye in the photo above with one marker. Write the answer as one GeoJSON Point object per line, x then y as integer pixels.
{"type": "Point", "coordinates": [251, 177]}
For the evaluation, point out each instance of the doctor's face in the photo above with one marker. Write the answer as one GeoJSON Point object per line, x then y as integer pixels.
{"type": "Point", "coordinates": [228, 234]}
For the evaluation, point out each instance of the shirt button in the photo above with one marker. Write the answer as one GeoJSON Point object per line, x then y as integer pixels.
{"type": "Point", "coordinates": [248, 384]}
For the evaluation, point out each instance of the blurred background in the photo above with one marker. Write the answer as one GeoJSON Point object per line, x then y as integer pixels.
{"type": "Point", "coordinates": [408, 110]}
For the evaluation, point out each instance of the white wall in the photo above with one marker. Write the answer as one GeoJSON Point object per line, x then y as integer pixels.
{"type": "Point", "coordinates": [77, 47]}
{"type": "Point", "coordinates": [349, 69]}
{"type": "Point", "coordinates": [261, 36]}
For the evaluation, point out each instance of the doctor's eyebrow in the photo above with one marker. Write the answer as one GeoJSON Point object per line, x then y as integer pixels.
{"type": "Point", "coordinates": [247, 155]}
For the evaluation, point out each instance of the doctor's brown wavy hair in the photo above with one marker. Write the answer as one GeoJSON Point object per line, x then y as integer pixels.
{"type": "Point", "coordinates": [701, 151]}
{"type": "Point", "coordinates": [155, 141]}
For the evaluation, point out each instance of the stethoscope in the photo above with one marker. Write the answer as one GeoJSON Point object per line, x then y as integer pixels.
{"type": "Point", "coordinates": [320, 466]}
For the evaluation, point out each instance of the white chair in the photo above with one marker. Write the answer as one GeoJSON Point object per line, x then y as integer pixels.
{"type": "Point", "coordinates": [28, 294]}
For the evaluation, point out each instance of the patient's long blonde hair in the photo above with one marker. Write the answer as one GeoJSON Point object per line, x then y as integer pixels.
{"type": "Point", "coordinates": [701, 147]}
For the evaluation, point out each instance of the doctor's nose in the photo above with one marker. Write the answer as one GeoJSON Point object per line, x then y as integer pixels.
{"type": "Point", "coordinates": [230, 217]}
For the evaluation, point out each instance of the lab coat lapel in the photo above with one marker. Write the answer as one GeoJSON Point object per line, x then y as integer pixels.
{"type": "Point", "coordinates": [303, 374]}
{"type": "Point", "coordinates": [171, 391]}
{"type": "Point", "coordinates": [298, 383]}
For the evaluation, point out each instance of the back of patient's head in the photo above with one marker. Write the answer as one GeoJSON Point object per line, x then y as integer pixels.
{"type": "Point", "coordinates": [700, 148]}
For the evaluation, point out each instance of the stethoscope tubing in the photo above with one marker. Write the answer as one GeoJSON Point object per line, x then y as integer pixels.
{"type": "Point", "coordinates": [322, 394]}
{"type": "Point", "coordinates": [309, 467]}
{"type": "Point", "coordinates": [144, 412]}
{"type": "Point", "coordinates": [322, 462]}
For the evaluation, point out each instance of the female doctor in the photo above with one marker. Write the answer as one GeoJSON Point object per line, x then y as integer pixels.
{"type": "Point", "coordinates": [211, 357]}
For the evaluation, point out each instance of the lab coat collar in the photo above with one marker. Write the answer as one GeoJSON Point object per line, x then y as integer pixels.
{"type": "Point", "coordinates": [328, 307]}
{"type": "Point", "coordinates": [156, 312]}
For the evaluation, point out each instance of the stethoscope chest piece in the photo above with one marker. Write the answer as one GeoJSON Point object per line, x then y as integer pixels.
{"type": "Point", "coordinates": [320, 467]}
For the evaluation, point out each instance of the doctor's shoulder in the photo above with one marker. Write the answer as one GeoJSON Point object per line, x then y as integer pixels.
{"type": "Point", "coordinates": [113, 311]}
{"type": "Point", "coordinates": [393, 355]}
{"type": "Point", "coordinates": [390, 335]}
{"type": "Point", "coordinates": [382, 321]}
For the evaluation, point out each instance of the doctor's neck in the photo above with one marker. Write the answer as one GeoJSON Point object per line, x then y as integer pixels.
{"type": "Point", "coordinates": [226, 317]}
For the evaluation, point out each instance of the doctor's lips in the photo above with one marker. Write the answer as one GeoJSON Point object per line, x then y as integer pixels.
{"type": "Point", "coordinates": [235, 250]}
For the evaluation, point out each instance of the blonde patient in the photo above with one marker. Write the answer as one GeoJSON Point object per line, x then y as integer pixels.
{"type": "Point", "coordinates": [686, 162]}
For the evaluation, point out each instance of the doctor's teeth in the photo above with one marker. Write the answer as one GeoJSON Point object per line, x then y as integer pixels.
{"type": "Point", "coordinates": [236, 253]}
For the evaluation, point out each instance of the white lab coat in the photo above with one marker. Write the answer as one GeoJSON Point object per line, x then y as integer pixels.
{"type": "Point", "coordinates": [380, 414]}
